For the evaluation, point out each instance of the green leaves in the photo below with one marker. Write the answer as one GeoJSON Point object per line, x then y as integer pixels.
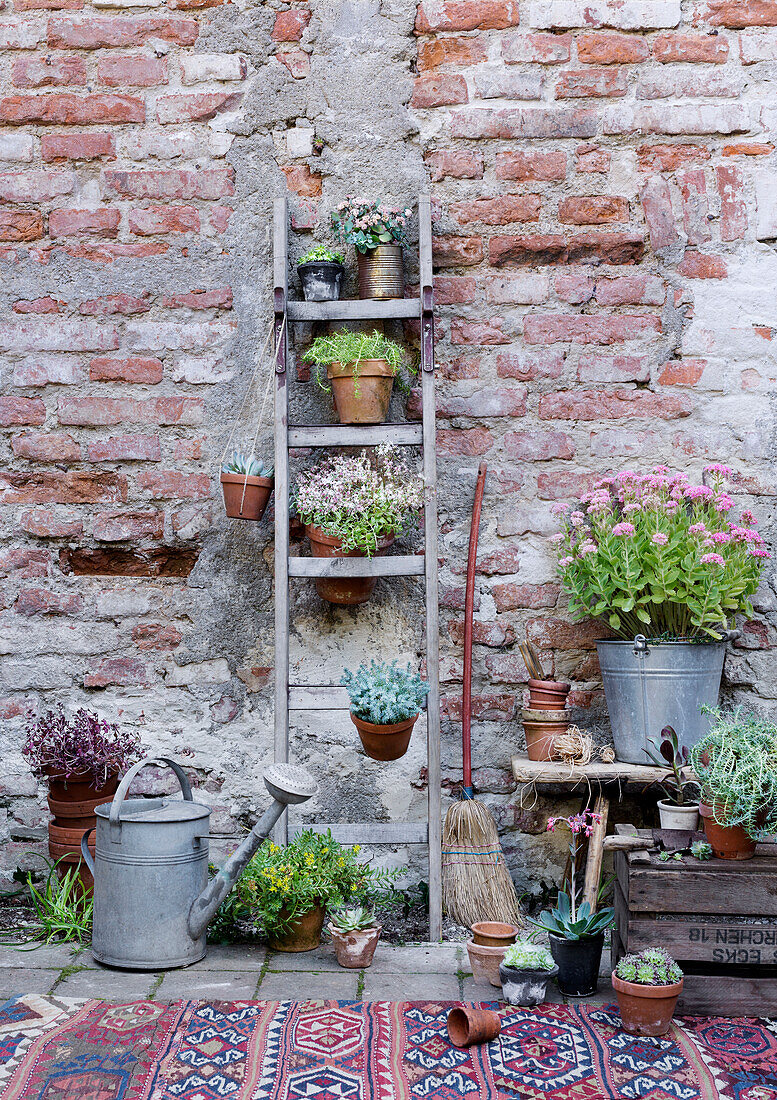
{"type": "Point", "coordinates": [559, 920]}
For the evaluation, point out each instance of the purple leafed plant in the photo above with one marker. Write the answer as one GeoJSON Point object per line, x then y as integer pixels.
{"type": "Point", "coordinates": [62, 744]}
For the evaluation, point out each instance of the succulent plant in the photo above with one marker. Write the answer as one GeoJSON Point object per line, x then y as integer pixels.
{"type": "Point", "coordinates": [321, 254]}
{"type": "Point", "coordinates": [71, 744]}
{"type": "Point", "coordinates": [384, 693]}
{"type": "Point", "coordinates": [356, 919]}
{"type": "Point", "coordinates": [239, 463]}
{"type": "Point", "coordinates": [525, 955]}
{"type": "Point", "coordinates": [700, 849]}
{"type": "Point", "coordinates": [655, 966]}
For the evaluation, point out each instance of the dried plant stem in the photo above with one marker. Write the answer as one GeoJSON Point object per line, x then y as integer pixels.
{"type": "Point", "coordinates": [476, 884]}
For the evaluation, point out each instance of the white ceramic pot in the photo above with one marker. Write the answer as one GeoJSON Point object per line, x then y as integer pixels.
{"type": "Point", "coordinates": [684, 818]}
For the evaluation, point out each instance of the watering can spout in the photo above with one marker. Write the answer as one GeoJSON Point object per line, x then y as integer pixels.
{"type": "Point", "coordinates": [288, 784]}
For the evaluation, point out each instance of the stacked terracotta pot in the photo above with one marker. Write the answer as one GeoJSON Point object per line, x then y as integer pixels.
{"type": "Point", "coordinates": [545, 719]}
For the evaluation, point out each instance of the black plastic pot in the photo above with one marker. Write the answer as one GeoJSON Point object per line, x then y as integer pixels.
{"type": "Point", "coordinates": [578, 964]}
{"type": "Point", "coordinates": [525, 987]}
{"type": "Point", "coordinates": [321, 280]}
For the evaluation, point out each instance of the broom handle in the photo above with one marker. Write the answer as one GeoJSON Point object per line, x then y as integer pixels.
{"type": "Point", "coordinates": [469, 604]}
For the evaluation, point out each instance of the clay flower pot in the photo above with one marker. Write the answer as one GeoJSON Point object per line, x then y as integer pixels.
{"type": "Point", "coordinates": [385, 742]}
{"type": "Point", "coordinates": [349, 590]}
{"type": "Point", "coordinates": [380, 272]}
{"type": "Point", "coordinates": [485, 962]}
{"type": "Point", "coordinates": [727, 841]}
{"type": "Point", "coordinates": [525, 987]}
{"type": "Point", "coordinates": [542, 730]}
{"type": "Point", "coordinates": [548, 695]}
{"type": "Point", "coordinates": [683, 818]}
{"type": "Point", "coordinates": [646, 1009]}
{"type": "Point", "coordinates": [73, 800]}
{"type": "Point", "coordinates": [304, 934]}
{"type": "Point", "coordinates": [248, 505]}
{"type": "Point", "coordinates": [355, 950]}
{"type": "Point", "coordinates": [362, 390]}
{"type": "Point", "coordinates": [494, 933]}
{"type": "Point", "coordinates": [468, 1025]}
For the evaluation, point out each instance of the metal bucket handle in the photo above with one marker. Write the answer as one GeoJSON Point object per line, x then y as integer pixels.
{"type": "Point", "coordinates": [163, 761]}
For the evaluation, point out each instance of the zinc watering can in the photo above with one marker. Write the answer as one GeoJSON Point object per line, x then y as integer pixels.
{"type": "Point", "coordinates": [152, 898]}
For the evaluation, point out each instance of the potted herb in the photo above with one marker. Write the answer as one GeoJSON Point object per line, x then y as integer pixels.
{"type": "Point", "coordinates": [385, 703]}
{"type": "Point", "coordinates": [575, 933]}
{"type": "Point", "coordinates": [360, 371]}
{"type": "Point", "coordinates": [658, 561]}
{"type": "Point", "coordinates": [736, 764]}
{"type": "Point", "coordinates": [679, 810]}
{"type": "Point", "coordinates": [525, 971]}
{"type": "Point", "coordinates": [354, 506]}
{"type": "Point", "coordinates": [82, 757]}
{"type": "Point", "coordinates": [246, 484]}
{"type": "Point", "coordinates": [321, 274]}
{"type": "Point", "coordinates": [355, 934]}
{"type": "Point", "coordinates": [377, 231]}
{"type": "Point", "coordinates": [647, 987]}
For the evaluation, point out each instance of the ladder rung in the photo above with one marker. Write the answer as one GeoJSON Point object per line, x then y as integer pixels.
{"type": "Point", "coordinates": [321, 697]}
{"type": "Point", "coordinates": [355, 309]}
{"type": "Point", "coordinates": [371, 832]}
{"type": "Point", "coordinates": [349, 435]}
{"type": "Point", "coordinates": [400, 565]}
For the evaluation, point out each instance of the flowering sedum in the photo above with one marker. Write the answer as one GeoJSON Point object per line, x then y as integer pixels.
{"type": "Point", "coordinates": [652, 554]}
{"type": "Point", "coordinates": [367, 224]}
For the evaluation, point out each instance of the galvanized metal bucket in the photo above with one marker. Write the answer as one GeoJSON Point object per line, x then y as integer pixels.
{"type": "Point", "coordinates": [652, 685]}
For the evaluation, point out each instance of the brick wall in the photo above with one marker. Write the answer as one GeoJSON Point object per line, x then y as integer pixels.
{"type": "Point", "coordinates": [603, 183]}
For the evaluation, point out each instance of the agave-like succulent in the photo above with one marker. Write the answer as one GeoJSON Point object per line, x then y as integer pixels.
{"type": "Point", "coordinates": [239, 463]}
{"type": "Point", "coordinates": [700, 849]}
{"type": "Point", "coordinates": [356, 919]}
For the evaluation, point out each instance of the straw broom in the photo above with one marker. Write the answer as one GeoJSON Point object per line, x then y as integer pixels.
{"type": "Point", "coordinates": [476, 884]}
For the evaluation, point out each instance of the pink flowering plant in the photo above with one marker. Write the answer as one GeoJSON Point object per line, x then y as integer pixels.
{"type": "Point", "coordinates": [367, 224]}
{"type": "Point", "coordinates": [653, 554]}
{"type": "Point", "coordinates": [360, 499]}
{"type": "Point", "coordinates": [76, 744]}
{"type": "Point", "coordinates": [572, 919]}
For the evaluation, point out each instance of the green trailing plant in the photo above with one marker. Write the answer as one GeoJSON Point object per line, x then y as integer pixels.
{"type": "Point", "coordinates": [355, 919]}
{"type": "Point", "coordinates": [675, 786]}
{"type": "Point", "coordinates": [321, 254]}
{"type": "Point", "coordinates": [736, 763]}
{"type": "Point", "coordinates": [367, 224]}
{"type": "Point", "coordinates": [384, 693]}
{"type": "Point", "coordinates": [63, 910]}
{"type": "Point", "coordinates": [346, 346]}
{"type": "Point", "coordinates": [655, 966]}
{"type": "Point", "coordinates": [239, 463]}
{"type": "Point", "coordinates": [701, 850]}
{"type": "Point", "coordinates": [525, 955]}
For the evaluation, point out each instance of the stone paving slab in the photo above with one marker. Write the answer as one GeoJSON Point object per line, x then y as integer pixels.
{"type": "Point", "coordinates": [296, 986]}
{"type": "Point", "coordinates": [190, 984]}
{"type": "Point", "coordinates": [322, 958]}
{"type": "Point", "coordinates": [108, 985]}
{"type": "Point", "coordinates": [430, 958]}
{"type": "Point", "coordinates": [411, 987]}
{"type": "Point", "coordinates": [225, 957]}
{"type": "Point", "coordinates": [14, 981]}
{"type": "Point", "coordinates": [41, 955]}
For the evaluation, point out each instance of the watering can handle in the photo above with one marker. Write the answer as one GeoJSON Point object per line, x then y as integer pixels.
{"type": "Point", "coordinates": [163, 761]}
{"type": "Point", "coordinates": [85, 850]}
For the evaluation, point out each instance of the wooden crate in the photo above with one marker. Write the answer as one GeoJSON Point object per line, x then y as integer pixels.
{"type": "Point", "coordinates": [718, 918]}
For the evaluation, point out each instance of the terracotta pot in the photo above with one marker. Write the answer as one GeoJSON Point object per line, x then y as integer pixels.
{"type": "Point", "coordinates": [385, 742]}
{"type": "Point", "coordinates": [362, 391]}
{"type": "Point", "coordinates": [548, 695]}
{"type": "Point", "coordinates": [683, 818]}
{"type": "Point", "coordinates": [494, 933]}
{"type": "Point", "coordinates": [355, 950]}
{"type": "Point", "coordinates": [468, 1025]}
{"type": "Point", "coordinates": [485, 962]}
{"type": "Point", "coordinates": [72, 801]}
{"type": "Point", "coordinates": [303, 935]}
{"type": "Point", "coordinates": [542, 733]}
{"type": "Point", "coordinates": [251, 505]}
{"type": "Point", "coordinates": [727, 841]}
{"type": "Point", "coordinates": [380, 272]}
{"type": "Point", "coordinates": [349, 590]}
{"type": "Point", "coordinates": [646, 1009]}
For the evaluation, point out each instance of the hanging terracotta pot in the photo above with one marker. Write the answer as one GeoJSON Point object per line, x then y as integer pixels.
{"type": "Point", "coordinates": [385, 742]}
{"type": "Point", "coordinates": [548, 695]}
{"type": "Point", "coordinates": [303, 934]}
{"type": "Point", "coordinates": [380, 272]}
{"type": "Point", "coordinates": [73, 800]}
{"type": "Point", "coordinates": [542, 730]}
{"type": "Point", "coordinates": [348, 590]}
{"type": "Point", "coordinates": [250, 504]}
{"type": "Point", "coordinates": [727, 841]}
{"type": "Point", "coordinates": [361, 391]}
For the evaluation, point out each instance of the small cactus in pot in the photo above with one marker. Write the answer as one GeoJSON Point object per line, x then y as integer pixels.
{"type": "Point", "coordinates": [355, 934]}
{"type": "Point", "coordinates": [247, 484]}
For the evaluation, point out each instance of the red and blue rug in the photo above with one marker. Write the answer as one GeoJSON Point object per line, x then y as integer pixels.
{"type": "Point", "coordinates": [55, 1049]}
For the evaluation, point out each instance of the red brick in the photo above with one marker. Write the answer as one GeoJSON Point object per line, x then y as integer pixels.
{"type": "Point", "coordinates": [739, 14]}
{"type": "Point", "coordinates": [537, 446]}
{"type": "Point", "coordinates": [39, 601]}
{"type": "Point", "coordinates": [46, 447]}
{"type": "Point", "coordinates": [97, 411]}
{"type": "Point", "coordinates": [478, 332]}
{"type": "Point", "coordinates": [38, 334]}
{"type": "Point", "coordinates": [66, 109]}
{"type": "Point", "coordinates": [460, 368]}
{"type": "Point", "coordinates": [484, 707]}
{"type": "Point", "coordinates": [612, 405]}
{"type": "Point", "coordinates": [611, 49]}
{"type": "Point", "coordinates": [676, 46]}
{"type": "Point", "coordinates": [544, 49]}
{"type": "Point", "coordinates": [47, 523]}
{"type": "Point", "coordinates": [21, 410]}
{"type": "Point", "coordinates": [125, 304]}
{"type": "Point", "coordinates": [733, 211]}
{"type": "Point", "coordinates": [199, 107]}
{"type": "Point", "coordinates": [696, 265]}
{"type": "Point", "coordinates": [525, 165]}
{"type": "Point", "coordinates": [457, 251]}
{"type": "Point", "coordinates": [439, 90]}
{"type": "Point", "coordinates": [26, 561]}
{"type": "Point", "coordinates": [464, 441]}
{"type": "Point", "coordinates": [460, 52]}
{"type": "Point", "coordinates": [666, 158]}
{"type": "Point", "coordinates": [529, 367]}
{"type": "Point", "coordinates": [134, 369]}
{"type": "Point", "coordinates": [592, 159]}
{"type": "Point", "coordinates": [656, 201]}
{"type": "Point", "coordinates": [456, 163]}
{"type": "Point", "coordinates": [549, 248]}
{"type": "Point", "coordinates": [492, 634]}
{"type": "Point", "coordinates": [486, 401]}
{"type": "Point", "coordinates": [38, 306]}
{"type": "Point", "coordinates": [525, 122]}
{"type": "Point", "coordinates": [156, 636]}
{"type": "Point", "coordinates": [35, 185]}
{"type": "Point", "coordinates": [693, 188]}
{"type": "Point", "coordinates": [131, 71]}
{"type": "Point", "coordinates": [574, 287]}
{"type": "Point", "coordinates": [593, 209]}
{"type": "Point", "coordinates": [61, 370]}
{"type": "Point", "coordinates": [514, 597]}
{"type": "Point", "coordinates": [290, 24]}
{"type": "Point", "coordinates": [102, 222]}
{"type": "Point", "coordinates": [48, 5]}
{"type": "Point", "coordinates": [86, 146]}
{"type": "Point", "coordinates": [20, 225]}
{"type": "Point", "coordinates": [521, 288]}
{"type": "Point", "coordinates": [591, 83]}
{"type": "Point", "coordinates": [454, 289]}
{"type": "Point", "coordinates": [630, 290]}
{"type": "Point", "coordinates": [748, 149]}
{"type": "Point", "coordinates": [617, 368]}
{"type": "Point", "coordinates": [94, 32]}
{"type": "Point", "coordinates": [49, 70]}
{"type": "Point", "coordinates": [682, 372]}
{"type": "Point", "coordinates": [188, 448]}
{"type": "Point", "coordinates": [171, 183]}
{"type": "Point", "coordinates": [68, 487]}
{"type": "Point", "coordinates": [551, 328]}
{"type": "Point", "coordinates": [497, 211]}
{"type": "Point", "coordinates": [172, 484]}
{"type": "Point", "coordinates": [296, 61]}
{"type": "Point", "coordinates": [466, 15]}
{"type": "Point", "coordinates": [105, 252]}
{"type": "Point", "coordinates": [302, 181]}
{"type": "Point", "coordinates": [118, 671]}
{"type": "Point", "coordinates": [218, 298]}
{"type": "Point", "coordinates": [119, 526]}
{"type": "Point", "coordinates": [150, 220]}
{"type": "Point", "coordinates": [126, 448]}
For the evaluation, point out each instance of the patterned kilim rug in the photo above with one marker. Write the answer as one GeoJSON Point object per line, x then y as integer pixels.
{"type": "Point", "coordinates": [53, 1049]}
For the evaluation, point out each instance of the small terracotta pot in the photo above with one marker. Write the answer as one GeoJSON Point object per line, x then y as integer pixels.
{"type": "Point", "coordinates": [380, 272]}
{"type": "Point", "coordinates": [485, 962]}
{"type": "Point", "coordinates": [542, 733]}
{"type": "Point", "coordinates": [303, 935]}
{"type": "Point", "coordinates": [494, 933]}
{"type": "Point", "coordinates": [350, 590]}
{"type": "Point", "coordinates": [73, 800]}
{"type": "Point", "coordinates": [252, 505]}
{"type": "Point", "coordinates": [355, 950]}
{"type": "Point", "coordinates": [548, 694]}
{"type": "Point", "coordinates": [362, 391]}
{"type": "Point", "coordinates": [385, 742]}
{"type": "Point", "coordinates": [727, 841]}
{"type": "Point", "coordinates": [468, 1025]}
{"type": "Point", "coordinates": [646, 1009]}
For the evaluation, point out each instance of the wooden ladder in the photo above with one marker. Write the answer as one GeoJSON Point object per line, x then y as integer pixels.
{"type": "Point", "coordinates": [327, 696]}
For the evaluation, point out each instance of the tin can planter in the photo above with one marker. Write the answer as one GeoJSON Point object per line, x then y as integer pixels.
{"type": "Point", "coordinates": [388, 742]}
{"type": "Point", "coordinates": [304, 934]}
{"type": "Point", "coordinates": [651, 685]}
{"type": "Point", "coordinates": [485, 962]}
{"type": "Point", "coordinates": [682, 818]}
{"type": "Point", "coordinates": [347, 591]}
{"type": "Point", "coordinates": [72, 800]}
{"type": "Point", "coordinates": [361, 391]}
{"type": "Point", "coordinates": [246, 497]}
{"type": "Point", "coordinates": [646, 1009]}
{"type": "Point", "coordinates": [321, 280]}
{"type": "Point", "coordinates": [548, 695]}
{"type": "Point", "coordinates": [726, 841]}
{"type": "Point", "coordinates": [494, 933]}
{"type": "Point", "coordinates": [542, 730]}
{"type": "Point", "coordinates": [468, 1025]}
{"type": "Point", "coordinates": [525, 987]}
{"type": "Point", "coordinates": [578, 963]}
{"type": "Point", "coordinates": [380, 272]}
{"type": "Point", "coordinates": [355, 950]}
